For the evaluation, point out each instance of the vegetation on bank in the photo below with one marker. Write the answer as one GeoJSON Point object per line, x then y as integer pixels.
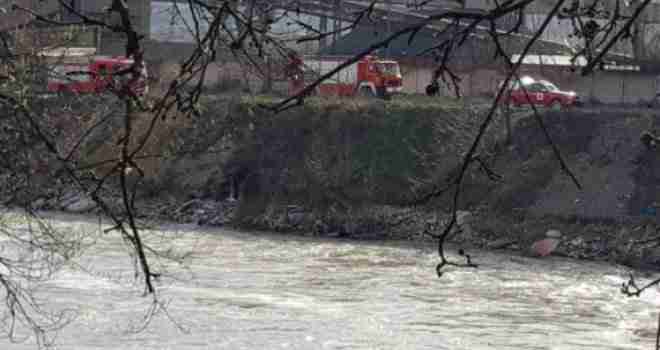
{"type": "Point", "coordinates": [345, 153]}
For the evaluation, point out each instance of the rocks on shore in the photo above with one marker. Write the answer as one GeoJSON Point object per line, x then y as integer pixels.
{"type": "Point", "coordinates": [546, 246]}
{"type": "Point", "coordinates": [70, 201]}
{"type": "Point", "coordinates": [463, 221]}
{"type": "Point", "coordinates": [380, 223]}
{"type": "Point", "coordinates": [203, 212]}
{"type": "Point", "coordinates": [199, 211]}
{"type": "Point", "coordinates": [79, 204]}
{"type": "Point", "coordinates": [502, 243]}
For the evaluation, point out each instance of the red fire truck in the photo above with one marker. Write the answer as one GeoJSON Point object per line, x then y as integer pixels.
{"type": "Point", "coordinates": [97, 77]}
{"type": "Point", "coordinates": [369, 76]}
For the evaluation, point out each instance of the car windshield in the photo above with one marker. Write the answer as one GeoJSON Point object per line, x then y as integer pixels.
{"type": "Point", "coordinates": [78, 76]}
{"type": "Point", "coordinates": [389, 68]}
{"type": "Point", "coordinates": [523, 81]}
{"type": "Point", "coordinates": [550, 86]}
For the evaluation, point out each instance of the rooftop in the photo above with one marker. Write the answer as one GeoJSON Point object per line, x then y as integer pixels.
{"type": "Point", "coordinates": [478, 49]}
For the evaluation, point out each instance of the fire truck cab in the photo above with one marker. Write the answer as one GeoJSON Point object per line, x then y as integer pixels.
{"type": "Point", "coordinates": [369, 76]}
{"type": "Point", "coordinates": [378, 77]}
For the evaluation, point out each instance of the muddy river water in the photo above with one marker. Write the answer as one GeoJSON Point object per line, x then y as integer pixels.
{"type": "Point", "coordinates": [242, 290]}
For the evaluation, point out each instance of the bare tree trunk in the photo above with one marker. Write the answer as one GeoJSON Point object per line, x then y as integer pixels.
{"type": "Point", "coordinates": [323, 28]}
{"type": "Point", "coordinates": [231, 4]}
{"type": "Point", "coordinates": [638, 41]}
{"type": "Point", "coordinates": [639, 31]}
{"type": "Point", "coordinates": [336, 22]}
{"type": "Point", "coordinates": [267, 86]}
{"type": "Point", "coordinates": [507, 121]}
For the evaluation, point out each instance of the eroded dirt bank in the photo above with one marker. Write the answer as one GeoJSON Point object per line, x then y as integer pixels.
{"type": "Point", "coordinates": [357, 168]}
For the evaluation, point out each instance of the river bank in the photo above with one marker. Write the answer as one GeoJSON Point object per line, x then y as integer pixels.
{"type": "Point", "coordinates": [629, 242]}
{"type": "Point", "coordinates": [353, 169]}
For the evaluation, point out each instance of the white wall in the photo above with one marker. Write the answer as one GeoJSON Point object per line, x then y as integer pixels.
{"type": "Point", "coordinates": [618, 87]}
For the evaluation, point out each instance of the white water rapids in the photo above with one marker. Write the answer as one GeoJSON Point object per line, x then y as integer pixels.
{"type": "Point", "coordinates": [269, 291]}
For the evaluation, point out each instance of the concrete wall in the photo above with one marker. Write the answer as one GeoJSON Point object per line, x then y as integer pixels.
{"type": "Point", "coordinates": [479, 82]}
{"type": "Point", "coordinates": [221, 74]}
{"type": "Point", "coordinates": [618, 87]}
{"type": "Point", "coordinates": [415, 78]}
{"type": "Point", "coordinates": [605, 86]}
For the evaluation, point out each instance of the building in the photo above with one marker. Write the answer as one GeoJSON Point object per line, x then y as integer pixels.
{"type": "Point", "coordinates": [620, 80]}
{"type": "Point", "coordinates": [24, 28]}
{"type": "Point", "coordinates": [11, 18]}
{"type": "Point", "coordinates": [475, 61]}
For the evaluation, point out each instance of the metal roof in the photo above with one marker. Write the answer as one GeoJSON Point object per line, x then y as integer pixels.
{"type": "Point", "coordinates": [551, 60]}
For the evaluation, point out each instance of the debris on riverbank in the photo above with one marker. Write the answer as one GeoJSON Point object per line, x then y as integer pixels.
{"type": "Point", "coordinates": [631, 242]}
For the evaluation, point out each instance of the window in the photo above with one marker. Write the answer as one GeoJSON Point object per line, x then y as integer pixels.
{"type": "Point", "coordinates": [389, 68]}
{"type": "Point", "coordinates": [536, 87]}
{"type": "Point", "coordinates": [78, 76]}
{"type": "Point", "coordinates": [549, 86]}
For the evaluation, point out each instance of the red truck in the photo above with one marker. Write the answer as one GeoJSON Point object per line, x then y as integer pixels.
{"type": "Point", "coordinates": [541, 93]}
{"type": "Point", "coordinates": [369, 76]}
{"type": "Point", "coordinates": [97, 77]}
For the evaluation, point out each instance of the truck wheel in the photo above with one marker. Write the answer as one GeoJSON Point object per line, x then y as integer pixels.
{"type": "Point", "coordinates": [365, 91]}
{"type": "Point", "coordinates": [382, 93]}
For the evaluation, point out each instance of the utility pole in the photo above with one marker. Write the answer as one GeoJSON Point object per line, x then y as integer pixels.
{"type": "Point", "coordinates": [389, 25]}
{"type": "Point", "coordinates": [336, 22]}
{"type": "Point", "coordinates": [323, 28]}
{"type": "Point", "coordinates": [266, 18]}
{"type": "Point", "coordinates": [146, 18]}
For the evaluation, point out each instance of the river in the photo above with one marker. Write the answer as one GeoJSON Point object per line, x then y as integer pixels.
{"type": "Point", "coordinates": [242, 290]}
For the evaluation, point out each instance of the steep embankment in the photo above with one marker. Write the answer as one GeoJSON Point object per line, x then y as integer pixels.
{"type": "Point", "coordinates": [353, 167]}
{"type": "Point", "coordinates": [345, 154]}
{"type": "Point", "coordinates": [617, 172]}
{"type": "Point", "coordinates": [349, 154]}
{"type": "Point", "coordinates": [357, 153]}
